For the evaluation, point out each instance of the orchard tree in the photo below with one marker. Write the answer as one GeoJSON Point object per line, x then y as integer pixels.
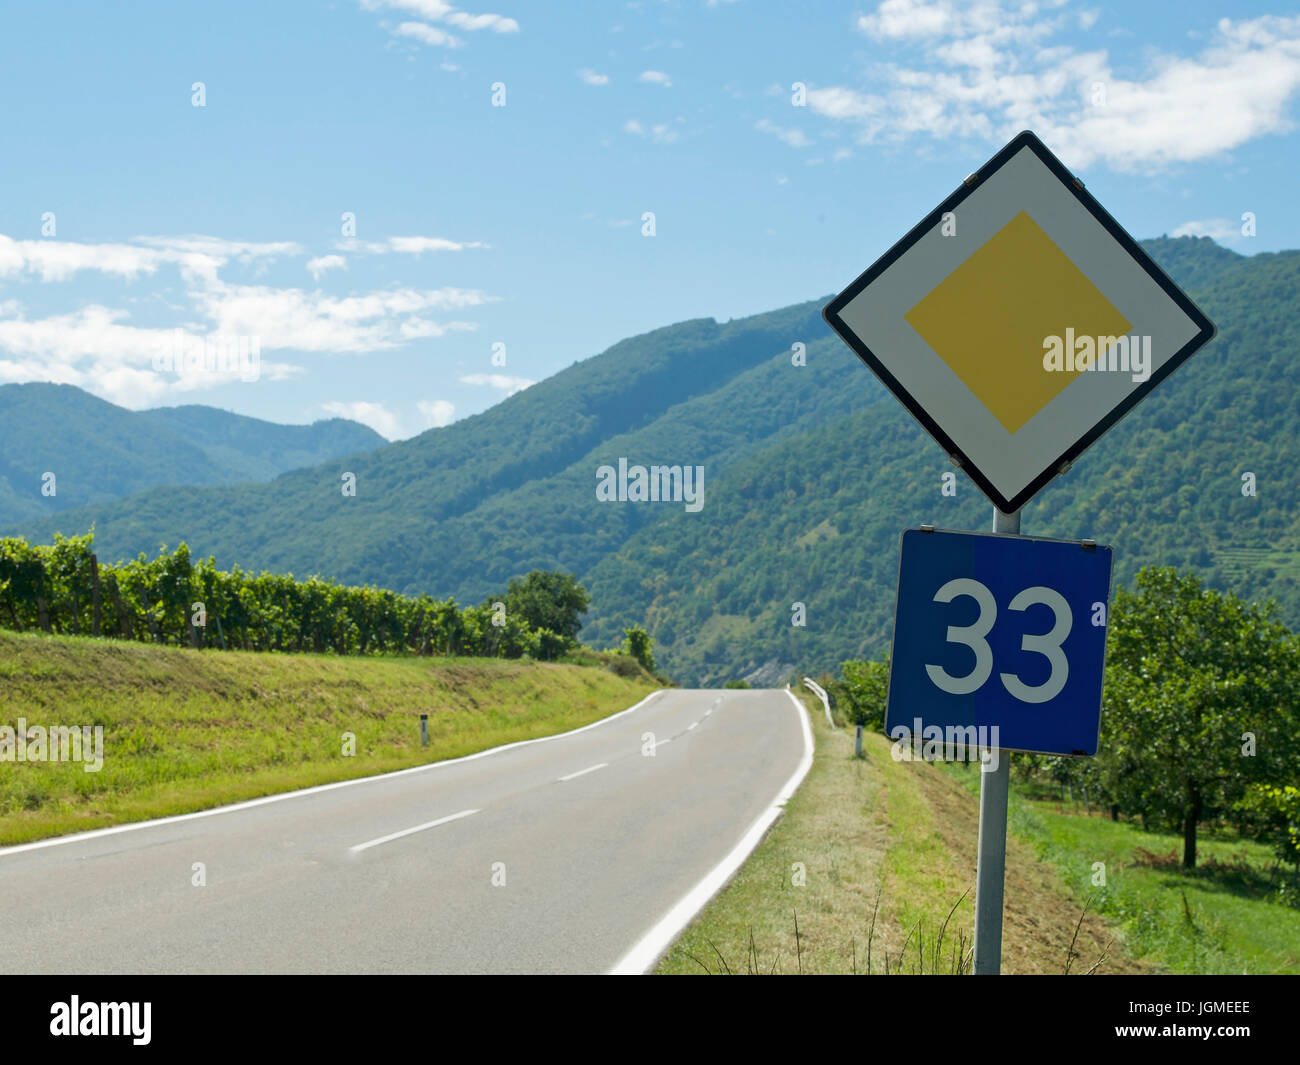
{"type": "Point", "coordinates": [549, 600]}
{"type": "Point", "coordinates": [1200, 700]}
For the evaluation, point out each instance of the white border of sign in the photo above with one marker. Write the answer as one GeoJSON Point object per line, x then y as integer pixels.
{"type": "Point", "coordinates": [1023, 176]}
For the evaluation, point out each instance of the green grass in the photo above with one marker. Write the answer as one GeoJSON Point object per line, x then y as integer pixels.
{"type": "Point", "coordinates": [186, 730]}
{"type": "Point", "coordinates": [1222, 917]}
{"type": "Point", "coordinates": [827, 828]}
{"type": "Point", "coordinates": [886, 851]}
{"type": "Point", "coordinates": [1218, 918]}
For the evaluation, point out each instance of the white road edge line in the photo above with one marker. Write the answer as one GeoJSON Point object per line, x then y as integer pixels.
{"type": "Point", "coordinates": [583, 772]}
{"type": "Point", "coordinates": [134, 826]}
{"type": "Point", "coordinates": [651, 947]}
{"type": "Point", "coordinates": [409, 831]}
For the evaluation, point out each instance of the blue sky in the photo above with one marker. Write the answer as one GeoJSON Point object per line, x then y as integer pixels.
{"type": "Point", "coordinates": [522, 225]}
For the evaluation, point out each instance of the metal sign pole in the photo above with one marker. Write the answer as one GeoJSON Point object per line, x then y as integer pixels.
{"type": "Point", "coordinates": [991, 857]}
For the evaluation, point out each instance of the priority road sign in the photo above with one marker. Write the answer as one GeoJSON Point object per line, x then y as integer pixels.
{"type": "Point", "coordinates": [1018, 322]}
{"type": "Point", "coordinates": [1004, 633]}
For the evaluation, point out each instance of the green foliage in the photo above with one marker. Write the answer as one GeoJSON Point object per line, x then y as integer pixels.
{"type": "Point", "coordinates": [862, 692]}
{"type": "Point", "coordinates": [1200, 701]}
{"type": "Point", "coordinates": [549, 645]}
{"type": "Point", "coordinates": [736, 684]}
{"type": "Point", "coordinates": [1200, 721]}
{"type": "Point", "coordinates": [811, 472]}
{"type": "Point", "coordinates": [101, 452]}
{"type": "Point", "coordinates": [625, 666]}
{"type": "Point", "coordinates": [172, 599]}
{"type": "Point", "coordinates": [1200, 709]}
{"type": "Point", "coordinates": [637, 643]}
{"type": "Point", "coordinates": [553, 601]}
{"type": "Point", "coordinates": [1275, 812]}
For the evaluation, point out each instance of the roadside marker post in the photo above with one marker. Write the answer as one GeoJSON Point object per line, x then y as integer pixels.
{"type": "Point", "coordinates": [1017, 322]}
{"type": "Point", "coordinates": [424, 730]}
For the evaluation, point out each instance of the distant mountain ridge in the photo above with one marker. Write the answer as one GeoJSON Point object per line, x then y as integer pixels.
{"type": "Point", "coordinates": [812, 472]}
{"type": "Point", "coordinates": [99, 452]}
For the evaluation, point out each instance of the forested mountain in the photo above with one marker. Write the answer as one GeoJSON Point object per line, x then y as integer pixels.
{"type": "Point", "coordinates": [810, 474]}
{"type": "Point", "coordinates": [99, 452]}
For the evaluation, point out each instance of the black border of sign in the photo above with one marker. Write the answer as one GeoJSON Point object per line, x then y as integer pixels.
{"type": "Point", "coordinates": [1025, 139]}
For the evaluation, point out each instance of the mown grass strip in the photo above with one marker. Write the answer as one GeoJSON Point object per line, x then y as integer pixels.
{"type": "Point", "coordinates": [871, 869]}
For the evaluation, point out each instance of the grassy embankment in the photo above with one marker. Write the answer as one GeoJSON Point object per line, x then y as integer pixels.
{"type": "Point", "coordinates": [872, 829]}
{"type": "Point", "coordinates": [186, 730]}
{"type": "Point", "coordinates": [905, 833]}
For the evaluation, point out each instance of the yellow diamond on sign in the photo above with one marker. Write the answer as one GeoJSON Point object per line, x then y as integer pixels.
{"type": "Point", "coordinates": [989, 318]}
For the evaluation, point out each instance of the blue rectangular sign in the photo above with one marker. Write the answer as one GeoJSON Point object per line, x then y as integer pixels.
{"type": "Point", "coordinates": [1000, 631]}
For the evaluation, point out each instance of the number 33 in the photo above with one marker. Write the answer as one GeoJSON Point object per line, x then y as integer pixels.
{"type": "Point", "coordinates": [1047, 644]}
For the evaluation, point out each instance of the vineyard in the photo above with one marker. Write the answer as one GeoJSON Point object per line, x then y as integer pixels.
{"type": "Point", "coordinates": [174, 599]}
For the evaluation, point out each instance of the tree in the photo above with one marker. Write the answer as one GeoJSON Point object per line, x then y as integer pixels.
{"type": "Point", "coordinates": [1200, 701]}
{"type": "Point", "coordinates": [1275, 813]}
{"type": "Point", "coordinates": [637, 643]}
{"type": "Point", "coordinates": [863, 692]}
{"type": "Point", "coordinates": [549, 600]}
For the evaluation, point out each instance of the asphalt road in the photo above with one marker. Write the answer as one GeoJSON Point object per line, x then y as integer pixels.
{"type": "Point", "coordinates": [599, 846]}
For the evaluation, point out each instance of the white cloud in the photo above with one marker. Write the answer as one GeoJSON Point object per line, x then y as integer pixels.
{"type": "Point", "coordinates": [197, 257]}
{"type": "Point", "coordinates": [902, 19]}
{"type": "Point", "coordinates": [220, 248]}
{"type": "Point", "coordinates": [426, 34]}
{"type": "Point", "coordinates": [96, 348]}
{"type": "Point", "coordinates": [1221, 230]}
{"type": "Point", "coordinates": [989, 73]}
{"type": "Point", "coordinates": [405, 245]}
{"type": "Point", "coordinates": [93, 331]}
{"type": "Point", "coordinates": [793, 137]}
{"type": "Point", "coordinates": [438, 11]}
{"type": "Point", "coordinates": [436, 413]}
{"type": "Point", "coordinates": [590, 77]}
{"type": "Point", "coordinates": [655, 77]}
{"type": "Point", "coordinates": [103, 349]}
{"type": "Point", "coordinates": [310, 321]}
{"type": "Point", "coordinates": [418, 245]}
{"type": "Point", "coordinates": [323, 263]}
{"type": "Point", "coordinates": [507, 384]}
{"type": "Point", "coordinates": [376, 415]}
{"type": "Point", "coordinates": [841, 103]}
{"type": "Point", "coordinates": [660, 133]}
{"type": "Point", "coordinates": [495, 23]}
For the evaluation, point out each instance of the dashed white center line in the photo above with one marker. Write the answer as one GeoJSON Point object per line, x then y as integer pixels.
{"type": "Point", "coordinates": [409, 831]}
{"type": "Point", "coordinates": [693, 724]}
{"type": "Point", "coordinates": [583, 772]}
